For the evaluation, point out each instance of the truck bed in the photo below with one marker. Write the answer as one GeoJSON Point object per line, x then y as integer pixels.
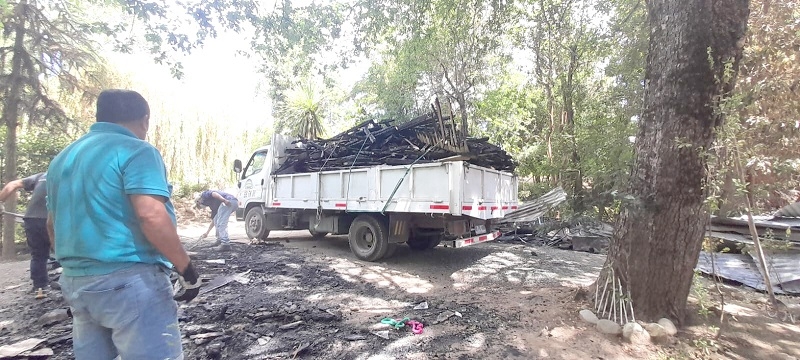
{"type": "Point", "coordinates": [455, 187]}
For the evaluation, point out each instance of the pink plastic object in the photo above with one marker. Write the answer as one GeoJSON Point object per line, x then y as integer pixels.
{"type": "Point", "coordinates": [416, 326]}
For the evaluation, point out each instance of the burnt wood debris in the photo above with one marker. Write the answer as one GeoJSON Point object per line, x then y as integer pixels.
{"type": "Point", "coordinates": [425, 139]}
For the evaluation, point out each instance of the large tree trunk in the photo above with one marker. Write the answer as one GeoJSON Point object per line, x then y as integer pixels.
{"type": "Point", "coordinates": [10, 118]}
{"type": "Point", "coordinates": [657, 240]}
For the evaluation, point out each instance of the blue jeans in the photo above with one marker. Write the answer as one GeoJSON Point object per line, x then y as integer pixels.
{"type": "Point", "coordinates": [221, 220]}
{"type": "Point", "coordinates": [129, 313]}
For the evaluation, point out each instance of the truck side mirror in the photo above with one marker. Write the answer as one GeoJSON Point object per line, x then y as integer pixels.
{"type": "Point", "coordinates": [237, 166]}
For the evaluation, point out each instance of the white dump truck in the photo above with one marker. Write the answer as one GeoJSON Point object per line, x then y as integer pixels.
{"type": "Point", "coordinates": [379, 207]}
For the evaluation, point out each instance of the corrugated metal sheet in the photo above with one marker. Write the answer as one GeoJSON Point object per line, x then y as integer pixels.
{"type": "Point", "coordinates": [784, 270]}
{"type": "Point", "coordinates": [536, 208]}
{"type": "Point", "coordinates": [735, 267]}
{"type": "Point", "coordinates": [777, 228]}
{"type": "Point", "coordinates": [791, 211]}
{"type": "Point", "coordinates": [739, 238]}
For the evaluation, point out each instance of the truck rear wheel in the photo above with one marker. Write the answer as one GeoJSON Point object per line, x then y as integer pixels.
{"type": "Point", "coordinates": [390, 251]}
{"type": "Point", "coordinates": [317, 235]}
{"type": "Point", "coordinates": [369, 238]}
{"type": "Point", "coordinates": [424, 242]}
{"type": "Point", "coordinates": [255, 224]}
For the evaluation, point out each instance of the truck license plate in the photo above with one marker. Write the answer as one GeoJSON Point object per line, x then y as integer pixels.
{"type": "Point", "coordinates": [480, 229]}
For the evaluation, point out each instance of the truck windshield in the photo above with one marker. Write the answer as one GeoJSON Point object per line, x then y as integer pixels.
{"type": "Point", "coordinates": [255, 165]}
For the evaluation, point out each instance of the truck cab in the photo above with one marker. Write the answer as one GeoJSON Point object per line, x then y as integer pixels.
{"type": "Point", "coordinates": [252, 183]}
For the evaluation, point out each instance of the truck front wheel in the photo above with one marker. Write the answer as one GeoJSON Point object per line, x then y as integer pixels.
{"type": "Point", "coordinates": [256, 224]}
{"type": "Point", "coordinates": [369, 238]}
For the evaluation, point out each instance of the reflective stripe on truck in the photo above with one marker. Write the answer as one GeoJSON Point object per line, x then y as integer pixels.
{"type": "Point", "coordinates": [473, 240]}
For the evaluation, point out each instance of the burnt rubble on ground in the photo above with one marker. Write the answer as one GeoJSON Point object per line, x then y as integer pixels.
{"type": "Point", "coordinates": [734, 259]}
{"type": "Point", "coordinates": [425, 139]}
{"type": "Point", "coordinates": [266, 311]}
{"type": "Point", "coordinates": [529, 225]}
{"type": "Point", "coordinates": [579, 234]}
{"type": "Point", "coordinates": [269, 302]}
{"type": "Point", "coordinates": [39, 328]}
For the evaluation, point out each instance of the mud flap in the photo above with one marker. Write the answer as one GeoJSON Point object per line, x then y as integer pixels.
{"type": "Point", "coordinates": [399, 228]}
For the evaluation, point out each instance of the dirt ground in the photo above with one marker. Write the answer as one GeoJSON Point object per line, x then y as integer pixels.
{"type": "Point", "coordinates": [295, 297]}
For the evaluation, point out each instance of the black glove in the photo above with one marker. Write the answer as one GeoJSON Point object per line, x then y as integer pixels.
{"type": "Point", "coordinates": [190, 284]}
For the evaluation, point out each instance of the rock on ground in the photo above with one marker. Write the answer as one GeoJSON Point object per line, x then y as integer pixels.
{"type": "Point", "coordinates": [589, 316]}
{"type": "Point", "coordinates": [608, 327]}
{"type": "Point", "coordinates": [668, 326]}
{"type": "Point", "coordinates": [635, 334]}
{"type": "Point", "coordinates": [655, 330]}
{"type": "Point", "coordinates": [54, 316]}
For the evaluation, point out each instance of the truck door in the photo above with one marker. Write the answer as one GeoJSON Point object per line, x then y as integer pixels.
{"type": "Point", "coordinates": [253, 181]}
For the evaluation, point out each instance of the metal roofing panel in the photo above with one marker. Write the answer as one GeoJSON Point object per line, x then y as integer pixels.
{"type": "Point", "coordinates": [536, 208]}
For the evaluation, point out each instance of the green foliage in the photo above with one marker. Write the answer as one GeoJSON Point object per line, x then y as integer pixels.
{"type": "Point", "coordinates": [389, 88]}
{"type": "Point", "coordinates": [756, 147]}
{"type": "Point", "coordinates": [302, 112]}
{"type": "Point", "coordinates": [37, 147]}
{"type": "Point", "coordinates": [51, 54]}
{"type": "Point", "coordinates": [706, 343]}
{"type": "Point", "coordinates": [556, 83]}
{"type": "Point", "coordinates": [700, 292]}
{"type": "Point", "coordinates": [451, 53]}
{"type": "Point", "coordinates": [292, 40]}
{"type": "Point", "coordinates": [195, 148]}
{"type": "Point", "coordinates": [531, 190]}
{"type": "Point", "coordinates": [566, 117]}
{"type": "Point", "coordinates": [187, 190]}
{"type": "Point", "coordinates": [513, 117]}
{"type": "Point", "coordinates": [167, 30]}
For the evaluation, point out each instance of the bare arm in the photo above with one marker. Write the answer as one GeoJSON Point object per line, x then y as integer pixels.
{"type": "Point", "coordinates": [10, 189]}
{"type": "Point", "coordinates": [51, 232]}
{"type": "Point", "coordinates": [210, 226]}
{"type": "Point", "coordinates": [159, 229]}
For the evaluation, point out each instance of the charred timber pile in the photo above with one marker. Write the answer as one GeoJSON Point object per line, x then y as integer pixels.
{"type": "Point", "coordinates": [425, 139]}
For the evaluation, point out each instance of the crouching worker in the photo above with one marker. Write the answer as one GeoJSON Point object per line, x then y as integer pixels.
{"type": "Point", "coordinates": [222, 206]}
{"type": "Point", "coordinates": [114, 232]}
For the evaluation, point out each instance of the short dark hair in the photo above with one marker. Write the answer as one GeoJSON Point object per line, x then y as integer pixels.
{"type": "Point", "coordinates": [121, 106]}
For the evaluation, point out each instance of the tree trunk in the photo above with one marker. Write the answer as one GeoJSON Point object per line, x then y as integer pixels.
{"type": "Point", "coordinates": [657, 241]}
{"type": "Point", "coordinates": [10, 205]}
{"type": "Point", "coordinates": [462, 105]}
{"type": "Point", "coordinates": [569, 121]}
{"type": "Point", "coordinates": [551, 131]}
{"type": "Point", "coordinates": [10, 118]}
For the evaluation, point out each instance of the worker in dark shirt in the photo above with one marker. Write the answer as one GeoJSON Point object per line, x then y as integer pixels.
{"type": "Point", "coordinates": [222, 206]}
{"type": "Point", "coordinates": [35, 224]}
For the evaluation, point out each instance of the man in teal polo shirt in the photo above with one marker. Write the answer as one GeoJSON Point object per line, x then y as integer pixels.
{"type": "Point", "coordinates": [114, 233]}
